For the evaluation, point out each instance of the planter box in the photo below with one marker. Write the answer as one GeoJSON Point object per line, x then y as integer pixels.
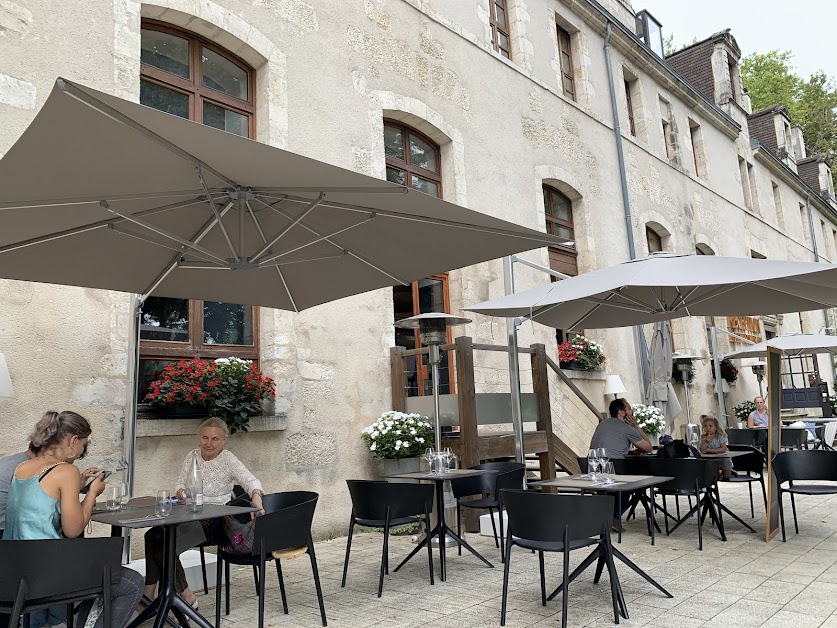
{"type": "Point", "coordinates": [178, 411]}
{"type": "Point", "coordinates": [387, 467]}
{"type": "Point", "coordinates": [189, 427]}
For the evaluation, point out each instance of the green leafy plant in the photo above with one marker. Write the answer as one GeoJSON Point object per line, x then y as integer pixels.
{"type": "Point", "coordinates": [649, 418]}
{"type": "Point", "coordinates": [587, 353]}
{"type": "Point", "coordinates": [237, 392]}
{"type": "Point", "coordinates": [743, 410]}
{"type": "Point", "coordinates": [185, 382]}
{"type": "Point", "coordinates": [398, 435]}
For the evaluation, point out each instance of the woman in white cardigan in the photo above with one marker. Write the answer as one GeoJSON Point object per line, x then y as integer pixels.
{"type": "Point", "coordinates": [220, 470]}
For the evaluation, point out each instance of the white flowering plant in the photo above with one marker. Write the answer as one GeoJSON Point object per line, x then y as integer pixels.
{"type": "Point", "coordinates": [399, 435]}
{"type": "Point", "coordinates": [650, 419]}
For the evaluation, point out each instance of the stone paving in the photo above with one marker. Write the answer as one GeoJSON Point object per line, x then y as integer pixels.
{"type": "Point", "coordinates": [743, 582]}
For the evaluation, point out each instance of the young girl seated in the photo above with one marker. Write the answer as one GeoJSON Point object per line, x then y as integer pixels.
{"type": "Point", "coordinates": [714, 441]}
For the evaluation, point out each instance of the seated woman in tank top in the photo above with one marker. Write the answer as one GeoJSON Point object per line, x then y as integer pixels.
{"type": "Point", "coordinates": [758, 417]}
{"type": "Point", "coordinates": [44, 503]}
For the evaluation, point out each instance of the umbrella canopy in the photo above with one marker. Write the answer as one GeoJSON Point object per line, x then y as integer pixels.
{"type": "Point", "coordinates": [104, 193]}
{"type": "Point", "coordinates": [665, 286]}
{"type": "Point", "coordinates": [790, 344]}
{"type": "Point", "coordinates": [660, 391]}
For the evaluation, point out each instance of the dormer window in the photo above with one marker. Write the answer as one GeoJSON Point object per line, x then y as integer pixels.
{"type": "Point", "coordinates": [650, 31]}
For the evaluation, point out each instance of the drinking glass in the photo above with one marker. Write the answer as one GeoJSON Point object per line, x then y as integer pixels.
{"type": "Point", "coordinates": [447, 455]}
{"type": "Point", "coordinates": [603, 457]}
{"type": "Point", "coordinates": [592, 463]}
{"type": "Point", "coordinates": [609, 473]}
{"type": "Point", "coordinates": [162, 507]}
{"type": "Point", "coordinates": [430, 456]}
{"type": "Point", "coordinates": [114, 497]}
{"type": "Point", "coordinates": [123, 491]}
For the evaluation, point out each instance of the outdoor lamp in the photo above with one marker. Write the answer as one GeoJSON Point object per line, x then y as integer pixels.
{"type": "Point", "coordinates": [6, 389]}
{"type": "Point", "coordinates": [614, 386]}
{"type": "Point", "coordinates": [759, 371]}
{"type": "Point", "coordinates": [433, 332]}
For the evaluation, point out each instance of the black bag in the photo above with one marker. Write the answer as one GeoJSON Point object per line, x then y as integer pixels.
{"type": "Point", "coordinates": [677, 449]}
{"type": "Point", "coordinates": [239, 530]}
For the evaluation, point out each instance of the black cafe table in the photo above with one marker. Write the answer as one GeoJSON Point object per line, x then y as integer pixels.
{"type": "Point", "coordinates": [621, 484]}
{"type": "Point", "coordinates": [441, 528]}
{"type": "Point", "coordinates": [139, 513]}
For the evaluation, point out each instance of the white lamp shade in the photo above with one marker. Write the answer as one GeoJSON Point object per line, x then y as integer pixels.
{"type": "Point", "coordinates": [6, 389]}
{"type": "Point", "coordinates": [614, 385]}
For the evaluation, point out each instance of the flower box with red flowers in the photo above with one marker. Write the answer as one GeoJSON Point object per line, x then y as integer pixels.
{"type": "Point", "coordinates": [229, 388]}
{"type": "Point", "coordinates": [580, 354]}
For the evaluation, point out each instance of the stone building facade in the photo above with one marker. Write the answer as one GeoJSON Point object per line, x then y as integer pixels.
{"type": "Point", "coordinates": [503, 100]}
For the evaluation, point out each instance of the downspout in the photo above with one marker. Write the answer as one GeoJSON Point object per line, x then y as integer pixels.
{"type": "Point", "coordinates": [817, 259]}
{"type": "Point", "coordinates": [639, 334]}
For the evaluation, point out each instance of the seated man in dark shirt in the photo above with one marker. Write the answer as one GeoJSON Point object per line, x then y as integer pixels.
{"type": "Point", "coordinates": [617, 434]}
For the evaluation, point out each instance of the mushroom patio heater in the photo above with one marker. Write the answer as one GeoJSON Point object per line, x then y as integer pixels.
{"type": "Point", "coordinates": [759, 370]}
{"type": "Point", "coordinates": [433, 328]}
{"type": "Point", "coordinates": [683, 363]}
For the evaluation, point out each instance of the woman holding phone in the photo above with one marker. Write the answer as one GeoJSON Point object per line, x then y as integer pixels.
{"type": "Point", "coordinates": [44, 504]}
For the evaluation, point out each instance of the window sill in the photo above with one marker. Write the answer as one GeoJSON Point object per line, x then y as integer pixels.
{"type": "Point", "coordinates": [594, 375]}
{"type": "Point", "coordinates": [189, 427]}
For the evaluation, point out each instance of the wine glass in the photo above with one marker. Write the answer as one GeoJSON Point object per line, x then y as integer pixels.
{"type": "Point", "coordinates": [603, 457]}
{"type": "Point", "coordinates": [429, 455]}
{"type": "Point", "coordinates": [447, 455]}
{"type": "Point", "coordinates": [592, 463]}
{"type": "Point", "coordinates": [162, 507]}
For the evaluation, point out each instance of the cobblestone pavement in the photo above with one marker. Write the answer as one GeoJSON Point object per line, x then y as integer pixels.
{"type": "Point", "coordinates": [742, 582]}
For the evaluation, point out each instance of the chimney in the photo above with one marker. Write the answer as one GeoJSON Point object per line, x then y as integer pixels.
{"type": "Point", "coordinates": [798, 142]}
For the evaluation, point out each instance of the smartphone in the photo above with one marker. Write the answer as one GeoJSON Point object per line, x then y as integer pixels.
{"type": "Point", "coordinates": [105, 475]}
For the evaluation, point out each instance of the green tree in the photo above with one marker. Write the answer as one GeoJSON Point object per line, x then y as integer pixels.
{"type": "Point", "coordinates": [771, 80]}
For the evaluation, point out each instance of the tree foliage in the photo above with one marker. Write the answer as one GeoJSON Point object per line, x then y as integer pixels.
{"type": "Point", "coordinates": [771, 79]}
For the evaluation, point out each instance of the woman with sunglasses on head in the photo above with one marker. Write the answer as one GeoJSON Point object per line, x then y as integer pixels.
{"type": "Point", "coordinates": [44, 503]}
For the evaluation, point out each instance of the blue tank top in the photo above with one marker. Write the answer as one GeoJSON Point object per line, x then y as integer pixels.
{"type": "Point", "coordinates": [759, 420]}
{"type": "Point", "coordinates": [31, 513]}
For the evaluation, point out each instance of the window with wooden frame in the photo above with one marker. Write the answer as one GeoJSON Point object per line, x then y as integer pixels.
{"type": "Point", "coordinates": [190, 77]}
{"type": "Point", "coordinates": [412, 159]}
{"type": "Point", "coordinates": [558, 212]}
{"type": "Point", "coordinates": [566, 56]}
{"type": "Point", "coordinates": [499, 19]}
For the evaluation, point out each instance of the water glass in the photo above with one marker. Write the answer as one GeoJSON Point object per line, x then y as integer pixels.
{"type": "Point", "coordinates": [123, 491]}
{"type": "Point", "coordinates": [113, 497]}
{"type": "Point", "coordinates": [609, 473]}
{"type": "Point", "coordinates": [162, 507]}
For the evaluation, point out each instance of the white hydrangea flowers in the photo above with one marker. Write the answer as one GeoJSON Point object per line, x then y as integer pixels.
{"type": "Point", "coordinates": [398, 435]}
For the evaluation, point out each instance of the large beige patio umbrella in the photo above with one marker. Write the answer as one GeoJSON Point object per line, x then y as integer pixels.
{"type": "Point", "coordinates": [104, 193]}
{"type": "Point", "coordinates": [660, 392]}
{"type": "Point", "coordinates": [790, 345]}
{"type": "Point", "coordinates": [665, 286]}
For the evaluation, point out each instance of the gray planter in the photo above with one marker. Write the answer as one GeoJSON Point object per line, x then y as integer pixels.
{"type": "Point", "coordinates": [387, 467]}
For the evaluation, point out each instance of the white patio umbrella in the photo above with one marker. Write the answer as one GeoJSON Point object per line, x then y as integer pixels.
{"type": "Point", "coordinates": [665, 286]}
{"type": "Point", "coordinates": [789, 344]}
{"type": "Point", "coordinates": [104, 193]}
{"type": "Point", "coordinates": [660, 390]}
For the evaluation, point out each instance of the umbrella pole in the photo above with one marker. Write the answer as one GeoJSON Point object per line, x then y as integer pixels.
{"type": "Point", "coordinates": [514, 367]}
{"type": "Point", "coordinates": [130, 428]}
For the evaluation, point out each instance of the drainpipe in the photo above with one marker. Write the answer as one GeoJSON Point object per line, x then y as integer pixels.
{"type": "Point", "coordinates": [639, 334]}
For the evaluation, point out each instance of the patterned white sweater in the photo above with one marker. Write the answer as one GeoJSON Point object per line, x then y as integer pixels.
{"type": "Point", "coordinates": [219, 475]}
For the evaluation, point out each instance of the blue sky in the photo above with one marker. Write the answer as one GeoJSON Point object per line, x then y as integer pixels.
{"type": "Point", "coordinates": [808, 28]}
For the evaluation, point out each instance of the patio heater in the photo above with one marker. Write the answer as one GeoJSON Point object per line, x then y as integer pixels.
{"type": "Point", "coordinates": [433, 332]}
{"type": "Point", "coordinates": [759, 370]}
{"type": "Point", "coordinates": [683, 363]}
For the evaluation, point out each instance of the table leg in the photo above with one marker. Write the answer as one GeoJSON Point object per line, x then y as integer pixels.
{"type": "Point", "coordinates": [440, 511]}
{"type": "Point", "coordinates": [619, 510]}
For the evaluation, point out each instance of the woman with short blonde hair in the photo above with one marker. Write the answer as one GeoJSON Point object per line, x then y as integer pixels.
{"type": "Point", "coordinates": [220, 471]}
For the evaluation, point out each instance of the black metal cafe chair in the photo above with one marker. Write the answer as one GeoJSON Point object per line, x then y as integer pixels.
{"type": "Point", "coordinates": [545, 522]}
{"type": "Point", "coordinates": [488, 486]}
{"type": "Point", "coordinates": [749, 468]}
{"type": "Point", "coordinates": [379, 504]}
{"type": "Point", "coordinates": [56, 572]}
{"type": "Point", "coordinates": [804, 465]}
{"type": "Point", "coordinates": [283, 532]}
{"type": "Point", "coordinates": [794, 438]}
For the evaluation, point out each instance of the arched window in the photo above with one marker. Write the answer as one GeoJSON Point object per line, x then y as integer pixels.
{"type": "Point", "coordinates": [187, 76]}
{"type": "Point", "coordinates": [703, 249]}
{"type": "Point", "coordinates": [190, 77]}
{"type": "Point", "coordinates": [558, 210]}
{"type": "Point", "coordinates": [654, 240]}
{"type": "Point", "coordinates": [414, 160]}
